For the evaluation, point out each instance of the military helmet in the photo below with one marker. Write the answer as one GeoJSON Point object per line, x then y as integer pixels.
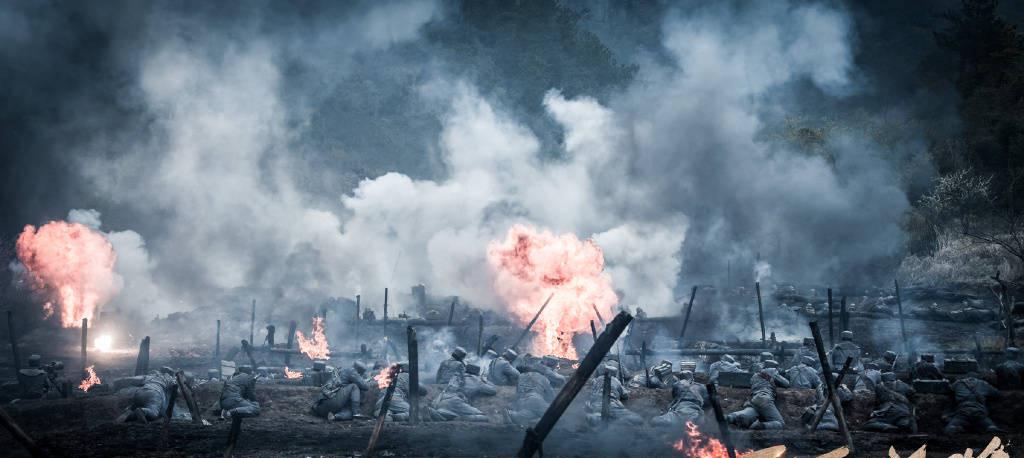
{"type": "Point", "coordinates": [34, 360]}
{"type": "Point", "coordinates": [359, 366]}
{"type": "Point", "coordinates": [610, 369]}
{"type": "Point", "coordinates": [1012, 352]}
{"type": "Point", "coordinates": [846, 335]}
{"type": "Point", "coordinates": [889, 355]}
{"type": "Point", "coordinates": [728, 358]}
{"type": "Point", "coordinates": [167, 370]}
{"type": "Point", "coordinates": [808, 360]}
{"type": "Point", "coordinates": [771, 363]}
{"type": "Point", "coordinates": [928, 358]}
{"type": "Point", "coordinates": [243, 369]}
{"type": "Point", "coordinates": [765, 355]}
{"type": "Point", "coordinates": [686, 375]}
{"type": "Point", "coordinates": [491, 354]}
{"type": "Point", "coordinates": [459, 353]}
{"type": "Point", "coordinates": [888, 376]}
{"type": "Point", "coordinates": [510, 354]}
{"type": "Point", "coordinates": [549, 361]}
{"type": "Point", "coordinates": [472, 369]}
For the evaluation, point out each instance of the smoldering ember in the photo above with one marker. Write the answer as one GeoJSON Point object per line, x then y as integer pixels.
{"type": "Point", "coordinates": [460, 228]}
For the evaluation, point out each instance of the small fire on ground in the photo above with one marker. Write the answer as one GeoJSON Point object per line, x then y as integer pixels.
{"type": "Point", "coordinates": [290, 374]}
{"type": "Point", "coordinates": [697, 445]}
{"type": "Point", "coordinates": [91, 380]}
{"type": "Point", "coordinates": [315, 347]}
{"type": "Point", "coordinates": [386, 376]}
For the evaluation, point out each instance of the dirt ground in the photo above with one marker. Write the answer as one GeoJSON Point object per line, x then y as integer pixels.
{"type": "Point", "coordinates": [84, 427]}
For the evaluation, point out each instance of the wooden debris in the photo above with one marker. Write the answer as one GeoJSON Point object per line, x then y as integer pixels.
{"type": "Point", "coordinates": [686, 320]}
{"type": "Point", "coordinates": [723, 426]}
{"type": "Point", "coordinates": [526, 331]}
{"type": "Point", "coordinates": [142, 360]}
{"type": "Point", "coordinates": [19, 434]}
{"type": "Point", "coordinates": [837, 407]}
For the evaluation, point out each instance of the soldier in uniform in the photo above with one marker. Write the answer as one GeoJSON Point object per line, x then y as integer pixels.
{"type": "Point", "coordinates": [688, 401]}
{"type": "Point", "coordinates": [546, 367]}
{"type": "Point", "coordinates": [60, 386]}
{"type": "Point", "coordinates": [1009, 373]}
{"type": "Point", "coordinates": [657, 376]}
{"type": "Point", "coordinates": [451, 367]}
{"type": "Point", "coordinates": [269, 340]}
{"type": "Point", "coordinates": [33, 381]}
{"type": "Point", "coordinates": [894, 401]}
{"type": "Point", "coordinates": [807, 350]}
{"type": "Point", "coordinates": [803, 374]}
{"type": "Point", "coordinates": [869, 378]}
{"type": "Point", "coordinates": [238, 397]}
{"type": "Point", "coordinates": [502, 372]}
{"type": "Point", "coordinates": [399, 409]}
{"type": "Point", "coordinates": [760, 411]}
{"type": "Point", "coordinates": [452, 403]}
{"type": "Point", "coordinates": [971, 414]}
{"type": "Point", "coordinates": [476, 385]}
{"type": "Point", "coordinates": [150, 401]}
{"type": "Point", "coordinates": [726, 363]}
{"type": "Point", "coordinates": [759, 364]}
{"type": "Point", "coordinates": [925, 369]}
{"type": "Point", "coordinates": [340, 398]}
{"type": "Point", "coordinates": [828, 420]}
{"type": "Point", "coordinates": [533, 395]}
{"type": "Point", "coordinates": [618, 393]}
{"type": "Point", "coordinates": [846, 349]}
{"type": "Point", "coordinates": [887, 363]}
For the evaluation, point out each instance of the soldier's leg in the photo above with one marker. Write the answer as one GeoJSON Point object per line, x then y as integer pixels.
{"type": "Point", "coordinates": [958, 423]}
{"type": "Point", "coordinates": [743, 418]}
{"type": "Point", "coordinates": [768, 414]}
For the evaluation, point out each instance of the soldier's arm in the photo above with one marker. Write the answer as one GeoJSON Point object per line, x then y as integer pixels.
{"type": "Point", "coordinates": [511, 372]}
{"type": "Point", "coordinates": [360, 382]}
{"type": "Point", "coordinates": [781, 381]}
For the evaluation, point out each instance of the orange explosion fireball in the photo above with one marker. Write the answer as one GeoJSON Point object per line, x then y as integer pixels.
{"type": "Point", "coordinates": [315, 347]}
{"type": "Point", "coordinates": [89, 381]}
{"type": "Point", "coordinates": [529, 266]}
{"type": "Point", "coordinates": [74, 264]}
{"type": "Point", "coordinates": [386, 376]}
{"type": "Point", "coordinates": [290, 374]}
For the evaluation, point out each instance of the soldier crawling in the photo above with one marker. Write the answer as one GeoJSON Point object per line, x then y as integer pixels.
{"type": "Point", "coordinates": [238, 398]}
{"type": "Point", "coordinates": [150, 401]}
{"type": "Point", "coordinates": [846, 349]}
{"type": "Point", "coordinates": [803, 374]}
{"type": "Point", "coordinates": [1010, 373]}
{"type": "Point", "coordinates": [828, 419]}
{"type": "Point", "coordinates": [970, 394]}
{"type": "Point", "coordinates": [341, 397]}
{"type": "Point", "coordinates": [726, 363]}
{"type": "Point", "coordinates": [760, 411]}
{"type": "Point", "coordinates": [688, 400]}
{"type": "Point", "coordinates": [533, 395]}
{"type": "Point", "coordinates": [895, 406]}
{"type": "Point", "coordinates": [618, 393]}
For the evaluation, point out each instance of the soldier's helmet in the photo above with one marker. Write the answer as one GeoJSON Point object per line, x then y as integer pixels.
{"type": "Point", "coordinates": [610, 369]}
{"type": "Point", "coordinates": [808, 360]}
{"type": "Point", "coordinates": [686, 375]}
{"type": "Point", "coordinates": [888, 376]}
{"type": "Point", "coordinates": [34, 360]}
{"type": "Point", "coordinates": [491, 354]}
{"type": "Point", "coordinates": [728, 358]}
{"type": "Point", "coordinates": [662, 369]}
{"type": "Point", "coordinates": [928, 358]}
{"type": "Point", "coordinates": [459, 353]}
{"type": "Point", "coordinates": [167, 370]}
{"type": "Point", "coordinates": [765, 356]}
{"type": "Point", "coordinates": [1012, 352]}
{"type": "Point", "coordinates": [890, 355]}
{"type": "Point", "coordinates": [472, 369]}
{"type": "Point", "coordinates": [318, 366]}
{"type": "Point", "coordinates": [808, 341]}
{"type": "Point", "coordinates": [871, 365]}
{"type": "Point", "coordinates": [359, 366]}
{"type": "Point", "coordinates": [510, 354]}
{"type": "Point", "coordinates": [58, 365]}
{"type": "Point", "coordinates": [244, 369]}
{"type": "Point", "coordinates": [846, 335]}
{"type": "Point", "coordinates": [549, 361]}
{"type": "Point", "coordinates": [771, 364]}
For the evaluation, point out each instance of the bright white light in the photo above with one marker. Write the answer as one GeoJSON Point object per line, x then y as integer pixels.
{"type": "Point", "coordinates": [104, 343]}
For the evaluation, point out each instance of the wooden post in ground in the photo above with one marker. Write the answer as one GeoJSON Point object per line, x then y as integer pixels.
{"type": "Point", "coordinates": [480, 337]}
{"type": "Point", "coordinates": [844, 315]}
{"type": "Point", "coordinates": [19, 434]}
{"type": "Point", "coordinates": [593, 330]}
{"type": "Point", "coordinates": [291, 340]}
{"type": "Point", "coordinates": [760, 314]}
{"type": "Point", "coordinates": [451, 311]}
{"type": "Point", "coordinates": [85, 340]}
{"type": "Point", "coordinates": [686, 319]}
{"type": "Point", "coordinates": [252, 322]}
{"type": "Point", "coordinates": [14, 341]}
{"type": "Point", "coordinates": [903, 326]}
{"type": "Point", "coordinates": [168, 414]}
{"type": "Point", "coordinates": [358, 319]}
{"type": "Point", "coordinates": [831, 329]}
{"type": "Point", "coordinates": [385, 404]}
{"type": "Point", "coordinates": [723, 426]}
{"type": "Point", "coordinates": [820, 412]}
{"type": "Point", "coordinates": [190, 401]}
{"type": "Point", "coordinates": [535, 436]}
{"type": "Point", "coordinates": [643, 362]}
{"type": "Point", "coordinates": [414, 375]}
{"type": "Point", "coordinates": [830, 384]}
{"type": "Point", "coordinates": [606, 392]}
{"type": "Point", "coordinates": [236, 430]}
{"type": "Point", "coordinates": [385, 304]}
{"type": "Point", "coordinates": [596, 311]}
{"type": "Point", "coordinates": [142, 360]}
{"type": "Point", "coordinates": [216, 347]}
{"type": "Point", "coordinates": [247, 348]}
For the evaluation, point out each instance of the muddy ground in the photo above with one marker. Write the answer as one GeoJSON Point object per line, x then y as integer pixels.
{"type": "Point", "coordinates": [84, 427]}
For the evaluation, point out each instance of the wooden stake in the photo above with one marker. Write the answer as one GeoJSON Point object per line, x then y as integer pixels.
{"type": "Point", "coordinates": [535, 436]}
{"type": "Point", "coordinates": [236, 430]}
{"type": "Point", "coordinates": [142, 360]}
{"type": "Point", "coordinates": [291, 340]}
{"type": "Point", "coordinates": [358, 319]}
{"type": "Point", "coordinates": [451, 311]}
{"type": "Point", "coordinates": [606, 390]}
{"type": "Point", "coordinates": [19, 434]}
{"type": "Point", "coordinates": [831, 329]}
{"type": "Point", "coordinates": [252, 322]}
{"type": "Point", "coordinates": [190, 401]}
{"type": "Point", "coordinates": [14, 341]}
{"type": "Point", "coordinates": [216, 348]}
{"type": "Point", "coordinates": [599, 317]}
{"type": "Point", "coordinates": [480, 337]}
{"type": "Point", "coordinates": [593, 330]}
{"type": "Point", "coordinates": [385, 304]}
{"type": "Point", "coordinates": [534, 320]}
{"type": "Point", "coordinates": [85, 340]}
{"type": "Point", "coordinates": [723, 426]}
{"type": "Point", "coordinates": [844, 315]}
{"type": "Point", "coordinates": [903, 327]}
{"type": "Point", "coordinates": [247, 348]}
{"type": "Point", "coordinates": [643, 362]}
{"type": "Point", "coordinates": [760, 314]}
{"type": "Point", "coordinates": [830, 384]}
{"type": "Point", "coordinates": [168, 415]}
{"type": "Point", "coordinates": [686, 320]}
{"type": "Point", "coordinates": [820, 412]}
{"type": "Point", "coordinates": [414, 375]}
{"type": "Point", "coordinates": [385, 404]}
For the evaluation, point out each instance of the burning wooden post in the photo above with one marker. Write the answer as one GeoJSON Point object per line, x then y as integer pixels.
{"type": "Point", "coordinates": [142, 360]}
{"type": "Point", "coordinates": [820, 412]}
{"type": "Point", "coordinates": [606, 391]}
{"type": "Point", "coordinates": [292, 325]}
{"type": "Point", "coordinates": [414, 375]}
{"type": "Point", "coordinates": [760, 314]}
{"type": "Point", "coordinates": [392, 378]}
{"type": "Point", "coordinates": [385, 304]}
{"type": "Point", "coordinates": [85, 340]}
{"type": "Point", "coordinates": [535, 436]}
{"type": "Point", "coordinates": [252, 322]}
{"type": "Point", "coordinates": [236, 430]}
{"type": "Point", "coordinates": [216, 347]}
{"type": "Point", "coordinates": [18, 433]}
{"type": "Point", "coordinates": [14, 341]}
{"type": "Point", "coordinates": [190, 400]}
{"type": "Point", "coordinates": [532, 322]}
{"type": "Point", "coordinates": [830, 384]}
{"type": "Point", "coordinates": [480, 336]}
{"type": "Point", "coordinates": [831, 330]}
{"type": "Point", "coordinates": [686, 319]}
{"type": "Point", "coordinates": [723, 426]}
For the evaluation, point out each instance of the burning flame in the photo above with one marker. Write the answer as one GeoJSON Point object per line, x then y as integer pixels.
{"type": "Point", "coordinates": [89, 381]}
{"type": "Point", "coordinates": [290, 374]}
{"type": "Point", "coordinates": [316, 345]}
{"type": "Point", "coordinates": [386, 376]}
{"type": "Point", "coordinates": [73, 263]}
{"type": "Point", "coordinates": [530, 265]}
{"type": "Point", "coordinates": [103, 343]}
{"type": "Point", "coordinates": [698, 445]}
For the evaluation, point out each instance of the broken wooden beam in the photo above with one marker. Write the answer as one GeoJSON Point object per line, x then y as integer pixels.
{"type": "Point", "coordinates": [526, 330]}
{"type": "Point", "coordinates": [14, 341]}
{"type": "Point", "coordinates": [19, 434]}
{"type": "Point", "coordinates": [168, 414]}
{"type": "Point", "coordinates": [599, 317]}
{"type": "Point", "coordinates": [142, 360]}
{"type": "Point", "coordinates": [190, 400]}
{"type": "Point", "coordinates": [292, 325]}
{"type": "Point", "coordinates": [593, 330]}
{"type": "Point", "coordinates": [252, 322]}
{"type": "Point", "coordinates": [837, 407]}
{"type": "Point", "coordinates": [385, 404]}
{"type": "Point", "coordinates": [535, 436]}
{"type": "Point", "coordinates": [831, 329]}
{"type": "Point", "coordinates": [606, 392]}
{"type": "Point", "coordinates": [451, 311]}
{"type": "Point", "coordinates": [414, 375]}
{"type": "Point", "coordinates": [820, 412]}
{"type": "Point", "coordinates": [760, 314]}
{"type": "Point", "coordinates": [385, 304]}
{"type": "Point", "coordinates": [723, 426]}
{"type": "Point", "coordinates": [480, 336]}
{"type": "Point", "coordinates": [844, 315]}
{"type": "Point", "coordinates": [686, 319]}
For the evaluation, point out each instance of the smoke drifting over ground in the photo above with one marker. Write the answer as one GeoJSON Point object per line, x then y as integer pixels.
{"type": "Point", "coordinates": [222, 188]}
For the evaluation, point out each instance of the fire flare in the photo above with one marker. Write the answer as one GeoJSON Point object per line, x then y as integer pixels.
{"type": "Point", "coordinates": [529, 265]}
{"type": "Point", "coordinates": [73, 264]}
{"type": "Point", "coordinates": [290, 374]}
{"type": "Point", "coordinates": [91, 380]}
{"type": "Point", "coordinates": [697, 445]}
{"type": "Point", "coordinates": [315, 347]}
{"type": "Point", "coordinates": [386, 376]}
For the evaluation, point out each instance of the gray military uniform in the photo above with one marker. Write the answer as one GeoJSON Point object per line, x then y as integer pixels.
{"type": "Point", "coordinates": [342, 396]}
{"type": "Point", "coordinates": [894, 400]}
{"type": "Point", "coordinates": [760, 411]}
{"type": "Point", "coordinates": [842, 350]}
{"type": "Point", "coordinates": [238, 397]}
{"type": "Point", "coordinates": [688, 400]}
{"type": "Point", "coordinates": [399, 408]}
{"type": "Point", "coordinates": [502, 372]}
{"type": "Point", "coordinates": [803, 376]}
{"type": "Point", "coordinates": [448, 369]}
{"type": "Point", "coordinates": [149, 402]}
{"type": "Point", "coordinates": [720, 366]}
{"type": "Point", "coordinates": [1010, 375]}
{"type": "Point", "coordinates": [452, 403]}
{"type": "Point", "coordinates": [828, 420]}
{"type": "Point", "coordinates": [616, 410]}
{"type": "Point", "coordinates": [533, 395]}
{"type": "Point", "coordinates": [971, 412]}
